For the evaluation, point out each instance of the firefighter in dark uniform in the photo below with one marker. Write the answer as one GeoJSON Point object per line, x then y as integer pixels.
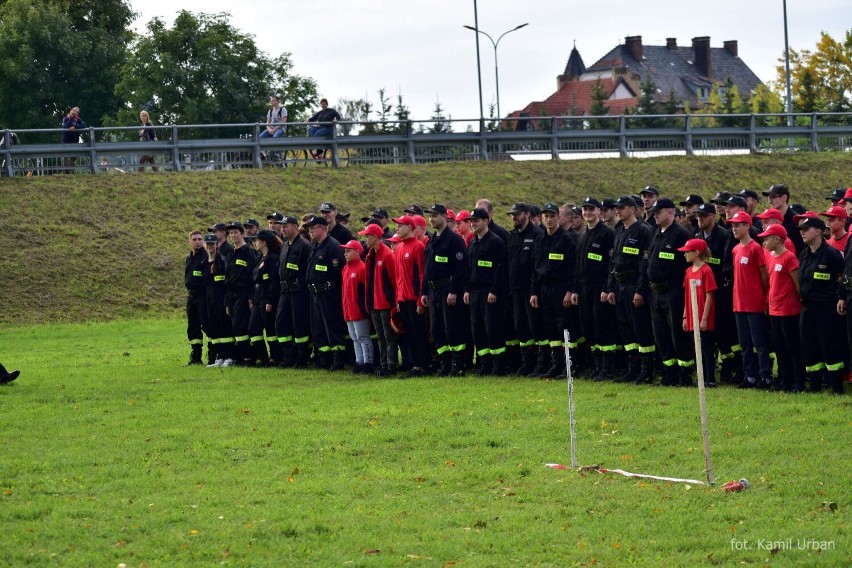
{"type": "Point", "coordinates": [196, 299]}
{"type": "Point", "coordinates": [444, 275]}
{"type": "Point", "coordinates": [293, 320]}
{"type": "Point", "coordinates": [666, 269]}
{"type": "Point", "coordinates": [716, 238]}
{"type": "Point", "coordinates": [323, 278]}
{"type": "Point", "coordinates": [336, 230]}
{"type": "Point", "coordinates": [218, 322]}
{"type": "Point", "coordinates": [267, 290]}
{"type": "Point", "coordinates": [820, 325]}
{"type": "Point", "coordinates": [627, 288]}
{"type": "Point", "coordinates": [221, 231]}
{"type": "Point", "coordinates": [597, 316]}
{"type": "Point", "coordinates": [554, 261]}
{"type": "Point", "coordinates": [650, 194]}
{"type": "Point", "coordinates": [690, 205]}
{"type": "Point", "coordinates": [240, 284]}
{"type": "Point", "coordinates": [486, 287]}
{"type": "Point", "coordinates": [527, 321]}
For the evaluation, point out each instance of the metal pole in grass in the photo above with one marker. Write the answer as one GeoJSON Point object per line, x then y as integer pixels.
{"type": "Point", "coordinates": [567, 337]}
{"type": "Point", "coordinates": [699, 365]}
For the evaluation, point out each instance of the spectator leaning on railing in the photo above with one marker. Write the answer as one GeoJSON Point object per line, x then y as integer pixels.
{"type": "Point", "coordinates": [72, 123]}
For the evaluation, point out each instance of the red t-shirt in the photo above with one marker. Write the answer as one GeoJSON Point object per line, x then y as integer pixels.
{"type": "Point", "coordinates": [788, 244]}
{"type": "Point", "coordinates": [749, 295]}
{"type": "Point", "coordinates": [839, 244]}
{"type": "Point", "coordinates": [354, 291]}
{"type": "Point", "coordinates": [706, 283]}
{"type": "Point", "coordinates": [783, 299]}
{"type": "Point", "coordinates": [409, 257]}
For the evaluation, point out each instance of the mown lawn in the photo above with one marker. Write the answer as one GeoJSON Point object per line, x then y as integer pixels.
{"type": "Point", "coordinates": [114, 453]}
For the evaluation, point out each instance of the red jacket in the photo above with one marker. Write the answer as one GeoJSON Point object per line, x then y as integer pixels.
{"type": "Point", "coordinates": [409, 256]}
{"type": "Point", "coordinates": [381, 278]}
{"type": "Point", "coordinates": [354, 291]}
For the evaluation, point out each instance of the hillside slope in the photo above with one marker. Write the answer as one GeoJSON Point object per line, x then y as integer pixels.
{"type": "Point", "coordinates": [94, 248]}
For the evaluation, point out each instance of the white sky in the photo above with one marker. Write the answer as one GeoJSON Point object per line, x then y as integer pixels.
{"type": "Point", "coordinates": [354, 47]}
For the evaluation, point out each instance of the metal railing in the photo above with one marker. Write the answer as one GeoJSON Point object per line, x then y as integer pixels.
{"type": "Point", "coordinates": [202, 147]}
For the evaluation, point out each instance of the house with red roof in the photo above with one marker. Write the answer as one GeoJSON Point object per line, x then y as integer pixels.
{"type": "Point", "coordinates": [689, 73]}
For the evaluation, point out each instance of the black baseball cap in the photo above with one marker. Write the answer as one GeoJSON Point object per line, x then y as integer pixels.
{"type": "Point", "coordinates": [650, 189]}
{"type": "Point", "coordinates": [706, 209]}
{"type": "Point", "coordinates": [550, 208]}
{"type": "Point", "coordinates": [625, 201]}
{"type": "Point", "coordinates": [777, 189]}
{"type": "Point", "coordinates": [210, 238]}
{"type": "Point", "coordinates": [275, 217]}
{"type": "Point", "coordinates": [414, 210]}
{"type": "Point", "coordinates": [749, 193]}
{"type": "Point", "coordinates": [814, 222]}
{"type": "Point", "coordinates": [692, 199]}
{"type": "Point", "coordinates": [251, 223]}
{"type": "Point", "coordinates": [664, 203]}
{"type": "Point", "coordinates": [592, 202]}
{"type": "Point", "coordinates": [437, 209]}
{"type": "Point", "coordinates": [289, 220]}
{"type": "Point", "coordinates": [479, 213]}
{"type": "Point", "coordinates": [837, 194]}
{"type": "Point", "coordinates": [327, 206]}
{"type": "Point", "coordinates": [737, 200]}
{"type": "Point", "coordinates": [237, 225]}
{"type": "Point", "coordinates": [608, 203]}
{"type": "Point", "coordinates": [218, 227]}
{"type": "Point", "coordinates": [535, 211]}
{"type": "Point", "coordinates": [519, 208]}
{"type": "Point", "coordinates": [315, 220]}
{"type": "Point", "coordinates": [577, 209]}
{"type": "Point", "coordinates": [721, 198]}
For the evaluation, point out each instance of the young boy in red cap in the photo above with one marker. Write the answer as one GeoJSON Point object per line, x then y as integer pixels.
{"type": "Point", "coordinates": [697, 253]}
{"type": "Point", "coordinates": [784, 307]}
{"type": "Point", "coordinates": [836, 221]}
{"type": "Point", "coordinates": [355, 306]}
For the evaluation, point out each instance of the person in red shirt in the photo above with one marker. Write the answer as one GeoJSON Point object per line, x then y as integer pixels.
{"type": "Point", "coordinates": [381, 297]}
{"type": "Point", "coordinates": [420, 229]}
{"type": "Point", "coordinates": [409, 256]}
{"type": "Point", "coordinates": [463, 226]}
{"type": "Point", "coordinates": [354, 290]}
{"type": "Point", "coordinates": [773, 217]}
{"type": "Point", "coordinates": [784, 308]}
{"type": "Point", "coordinates": [750, 284]}
{"type": "Point", "coordinates": [836, 221]}
{"type": "Point", "coordinates": [697, 253]}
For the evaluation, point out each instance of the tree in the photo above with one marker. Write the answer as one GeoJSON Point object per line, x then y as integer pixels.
{"type": "Point", "coordinates": [55, 55]}
{"type": "Point", "coordinates": [821, 80]}
{"type": "Point", "coordinates": [352, 110]}
{"type": "Point", "coordinates": [204, 71]}
{"type": "Point", "coordinates": [440, 123]}
{"type": "Point", "coordinates": [402, 115]}
{"type": "Point", "coordinates": [598, 108]}
{"type": "Point", "coordinates": [766, 101]}
{"type": "Point", "coordinates": [492, 125]}
{"type": "Point", "coordinates": [385, 110]}
{"type": "Point", "coordinates": [649, 105]}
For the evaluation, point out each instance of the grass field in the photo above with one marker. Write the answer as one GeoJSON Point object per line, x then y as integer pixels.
{"type": "Point", "coordinates": [83, 248]}
{"type": "Point", "coordinates": [114, 453]}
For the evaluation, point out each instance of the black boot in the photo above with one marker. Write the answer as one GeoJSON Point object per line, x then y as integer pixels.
{"type": "Point", "coordinates": [511, 360]}
{"type": "Point", "coordinates": [211, 353]}
{"type": "Point", "coordinates": [457, 364]}
{"type": "Point", "coordinates": [835, 380]}
{"type": "Point", "coordinates": [194, 355]}
{"type": "Point", "coordinates": [633, 366]}
{"type": "Point", "coordinates": [446, 364]}
{"type": "Point", "coordinates": [498, 364]}
{"type": "Point", "coordinates": [289, 355]}
{"type": "Point", "coordinates": [542, 363]}
{"type": "Point", "coordinates": [258, 351]}
{"type": "Point", "coordinates": [528, 356]}
{"type": "Point", "coordinates": [685, 376]}
{"type": "Point", "coordinates": [670, 377]}
{"type": "Point", "coordinates": [276, 352]}
{"type": "Point", "coordinates": [646, 371]}
{"type": "Point", "coordinates": [485, 366]}
{"type": "Point", "coordinates": [338, 361]}
{"type": "Point", "coordinates": [557, 364]}
{"type": "Point", "coordinates": [603, 366]}
{"type": "Point", "coordinates": [815, 381]}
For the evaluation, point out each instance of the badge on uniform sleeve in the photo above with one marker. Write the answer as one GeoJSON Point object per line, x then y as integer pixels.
{"type": "Point", "coordinates": [334, 262]}
{"type": "Point", "coordinates": [459, 255]}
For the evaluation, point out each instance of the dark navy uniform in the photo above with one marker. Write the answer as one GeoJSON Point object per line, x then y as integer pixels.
{"type": "Point", "coordinates": [196, 302]}
{"type": "Point", "coordinates": [218, 323]}
{"type": "Point", "coordinates": [553, 274]}
{"type": "Point", "coordinates": [341, 234]}
{"type": "Point", "coordinates": [239, 280]}
{"type": "Point", "coordinates": [527, 322]}
{"type": "Point", "coordinates": [627, 278]}
{"type": "Point", "coordinates": [487, 275]}
{"type": "Point", "coordinates": [323, 279]}
{"type": "Point", "coordinates": [267, 289]}
{"type": "Point", "coordinates": [444, 273]}
{"type": "Point", "coordinates": [293, 319]}
{"type": "Point", "coordinates": [821, 328]}
{"type": "Point", "coordinates": [666, 269]}
{"type": "Point", "coordinates": [596, 318]}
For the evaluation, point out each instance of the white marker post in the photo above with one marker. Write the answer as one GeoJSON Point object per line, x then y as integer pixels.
{"type": "Point", "coordinates": [567, 337]}
{"type": "Point", "coordinates": [699, 365]}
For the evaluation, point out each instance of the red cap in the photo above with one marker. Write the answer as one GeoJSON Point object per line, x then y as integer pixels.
{"type": "Point", "coordinates": [740, 217]}
{"type": "Point", "coordinates": [463, 215]}
{"type": "Point", "coordinates": [353, 245]}
{"type": "Point", "coordinates": [774, 230]}
{"type": "Point", "coordinates": [405, 220]}
{"type": "Point", "coordinates": [848, 195]}
{"type": "Point", "coordinates": [451, 215]}
{"type": "Point", "coordinates": [805, 215]}
{"type": "Point", "coordinates": [771, 214]}
{"type": "Point", "coordinates": [698, 245]}
{"type": "Point", "coordinates": [374, 230]}
{"type": "Point", "coordinates": [835, 211]}
{"type": "Point", "coordinates": [395, 239]}
{"type": "Point", "coordinates": [419, 220]}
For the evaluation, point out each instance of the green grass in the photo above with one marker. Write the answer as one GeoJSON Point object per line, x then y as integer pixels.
{"type": "Point", "coordinates": [114, 453]}
{"type": "Point", "coordinates": [84, 248]}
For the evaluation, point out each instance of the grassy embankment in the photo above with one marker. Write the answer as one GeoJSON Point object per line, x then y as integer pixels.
{"type": "Point", "coordinates": [99, 248]}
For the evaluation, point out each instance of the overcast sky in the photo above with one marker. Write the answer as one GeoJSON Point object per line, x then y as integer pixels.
{"type": "Point", "coordinates": [352, 48]}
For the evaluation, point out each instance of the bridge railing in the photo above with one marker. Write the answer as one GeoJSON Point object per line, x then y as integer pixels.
{"type": "Point", "coordinates": [202, 147]}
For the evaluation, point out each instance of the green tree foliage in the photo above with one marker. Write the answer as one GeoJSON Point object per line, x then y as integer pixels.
{"type": "Point", "coordinates": [766, 101]}
{"type": "Point", "coordinates": [598, 108]}
{"type": "Point", "coordinates": [203, 70]}
{"type": "Point", "coordinates": [402, 114]}
{"type": "Point", "coordinates": [385, 113]}
{"type": "Point", "coordinates": [440, 124]}
{"type": "Point", "coordinates": [58, 54]}
{"type": "Point", "coordinates": [648, 104]}
{"type": "Point", "coordinates": [821, 80]}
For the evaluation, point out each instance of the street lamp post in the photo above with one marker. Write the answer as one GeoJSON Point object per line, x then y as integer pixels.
{"type": "Point", "coordinates": [496, 72]}
{"type": "Point", "coordinates": [787, 69]}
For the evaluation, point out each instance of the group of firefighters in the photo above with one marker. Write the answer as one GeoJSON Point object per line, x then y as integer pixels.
{"type": "Point", "coordinates": [450, 291]}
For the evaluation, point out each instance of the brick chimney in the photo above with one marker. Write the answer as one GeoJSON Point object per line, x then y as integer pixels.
{"type": "Point", "coordinates": [701, 47]}
{"type": "Point", "coordinates": [731, 47]}
{"type": "Point", "coordinates": [634, 46]}
{"type": "Point", "coordinates": [671, 43]}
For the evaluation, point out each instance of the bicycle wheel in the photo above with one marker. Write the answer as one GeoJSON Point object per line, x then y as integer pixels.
{"type": "Point", "coordinates": [342, 157]}
{"type": "Point", "coordinates": [296, 158]}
